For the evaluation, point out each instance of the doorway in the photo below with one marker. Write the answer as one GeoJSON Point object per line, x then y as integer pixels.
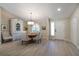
{"type": "Point", "coordinates": [51, 29]}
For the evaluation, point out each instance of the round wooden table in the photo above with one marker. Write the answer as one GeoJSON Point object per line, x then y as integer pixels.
{"type": "Point", "coordinates": [32, 36]}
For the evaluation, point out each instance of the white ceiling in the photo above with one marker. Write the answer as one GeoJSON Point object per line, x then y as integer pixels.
{"type": "Point", "coordinates": [40, 10]}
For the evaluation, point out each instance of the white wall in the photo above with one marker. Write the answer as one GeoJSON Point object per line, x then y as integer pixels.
{"type": "Point", "coordinates": [74, 30]}
{"type": "Point", "coordinates": [75, 27]}
{"type": "Point", "coordinates": [0, 25]}
{"type": "Point", "coordinates": [6, 16]}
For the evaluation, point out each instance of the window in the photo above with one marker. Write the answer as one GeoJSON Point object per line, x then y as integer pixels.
{"type": "Point", "coordinates": [52, 28]}
{"type": "Point", "coordinates": [17, 27]}
{"type": "Point", "coordinates": [35, 28]}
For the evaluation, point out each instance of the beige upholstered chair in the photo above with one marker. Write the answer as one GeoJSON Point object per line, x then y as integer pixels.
{"type": "Point", "coordinates": [6, 37]}
{"type": "Point", "coordinates": [38, 38]}
{"type": "Point", "coordinates": [24, 38]}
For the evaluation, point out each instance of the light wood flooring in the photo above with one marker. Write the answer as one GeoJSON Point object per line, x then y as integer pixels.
{"type": "Point", "coordinates": [46, 48]}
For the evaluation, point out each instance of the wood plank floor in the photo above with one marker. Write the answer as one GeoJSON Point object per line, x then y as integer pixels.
{"type": "Point", "coordinates": [45, 48]}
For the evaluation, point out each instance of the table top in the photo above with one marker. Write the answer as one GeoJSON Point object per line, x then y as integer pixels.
{"type": "Point", "coordinates": [32, 35]}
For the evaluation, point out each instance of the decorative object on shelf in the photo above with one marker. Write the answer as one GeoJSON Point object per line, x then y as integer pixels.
{"type": "Point", "coordinates": [43, 27]}
{"type": "Point", "coordinates": [3, 27]}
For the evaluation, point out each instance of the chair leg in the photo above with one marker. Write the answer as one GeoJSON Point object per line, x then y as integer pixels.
{"type": "Point", "coordinates": [2, 41]}
{"type": "Point", "coordinates": [40, 40]}
{"type": "Point", "coordinates": [22, 42]}
{"type": "Point", "coordinates": [37, 41]}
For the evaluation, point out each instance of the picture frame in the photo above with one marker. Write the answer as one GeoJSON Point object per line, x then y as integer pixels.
{"type": "Point", "coordinates": [43, 27]}
{"type": "Point", "coordinates": [3, 26]}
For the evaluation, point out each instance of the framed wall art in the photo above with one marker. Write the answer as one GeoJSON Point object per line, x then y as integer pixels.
{"type": "Point", "coordinates": [3, 26]}
{"type": "Point", "coordinates": [43, 27]}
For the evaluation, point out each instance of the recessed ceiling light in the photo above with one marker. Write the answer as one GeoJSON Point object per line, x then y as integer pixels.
{"type": "Point", "coordinates": [59, 9]}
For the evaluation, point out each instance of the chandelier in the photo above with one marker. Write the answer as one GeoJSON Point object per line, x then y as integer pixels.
{"type": "Point", "coordinates": [30, 22]}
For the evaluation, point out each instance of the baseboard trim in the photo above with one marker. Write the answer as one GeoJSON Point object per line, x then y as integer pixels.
{"type": "Point", "coordinates": [76, 46]}
{"type": "Point", "coordinates": [68, 42]}
{"type": "Point", "coordinates": [72, 43]}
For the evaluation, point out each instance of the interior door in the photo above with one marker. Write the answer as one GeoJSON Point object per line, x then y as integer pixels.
{"type": "Point", "coordinates": [57, 29]}
{"type": "Point", "coordinates": [60, 29]}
